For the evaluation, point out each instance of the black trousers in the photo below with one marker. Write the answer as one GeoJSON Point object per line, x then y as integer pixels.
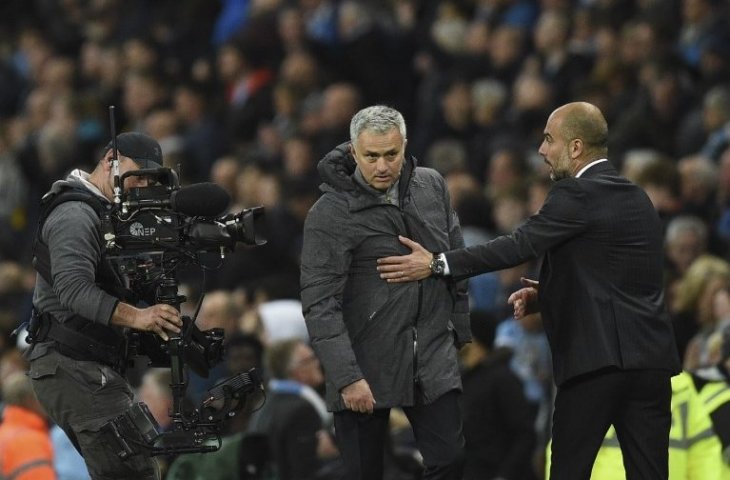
{"type": "Point", "coordinates": [636, 402]}
{"type": "Point", "coordinates": [437, 428]}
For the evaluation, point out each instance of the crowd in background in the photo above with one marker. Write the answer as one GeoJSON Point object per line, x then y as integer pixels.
{"type": "Point", "coordinates": [250, 94]}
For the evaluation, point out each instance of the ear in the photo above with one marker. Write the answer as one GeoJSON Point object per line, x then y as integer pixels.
{"type": "Point", "coordinates": [576, 148]}
{"type": "Point", "coordinates": [106, 161]}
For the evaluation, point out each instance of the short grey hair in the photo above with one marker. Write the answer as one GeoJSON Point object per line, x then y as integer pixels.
{"type": "Point", "coordinates": [378, 118]}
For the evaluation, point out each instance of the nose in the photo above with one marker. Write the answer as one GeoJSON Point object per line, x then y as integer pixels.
{"type": "Point", "coordinates": [381, 165]}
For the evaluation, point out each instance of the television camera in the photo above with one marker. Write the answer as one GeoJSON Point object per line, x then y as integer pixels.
{"type": "Point", "coordinates": [148, 233]}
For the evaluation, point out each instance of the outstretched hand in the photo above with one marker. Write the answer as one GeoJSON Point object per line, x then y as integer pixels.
{"type": "Point", "coordinates": [406, 268]}
{"type": "Point", "coordinates": [524, 300]}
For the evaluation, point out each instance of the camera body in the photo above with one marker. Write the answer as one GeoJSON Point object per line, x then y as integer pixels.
{"type": "Point", "coordinates": [188, 219]}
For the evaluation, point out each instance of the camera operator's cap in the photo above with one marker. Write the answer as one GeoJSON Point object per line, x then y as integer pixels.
{"type": "Point", "coordinates": [143, 149]}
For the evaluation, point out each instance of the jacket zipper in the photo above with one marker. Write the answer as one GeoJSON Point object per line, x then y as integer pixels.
{"type": "Point", "coordinates": [414, 327]}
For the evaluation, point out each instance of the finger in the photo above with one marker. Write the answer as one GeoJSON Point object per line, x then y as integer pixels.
{"type": "Point", "coordinates": [408, 242]}
{"type": "Point", "coordinates": [172, 327]}
{"type": "Point", "coordinates": [396, 279]}
{"type": "Point", "coordinates": [390, 262]}
{"type": "Point", "coordinates": [386, 275]}
{"type": "Point", "coordinates": [161, 333]}
{"type": "Point", "coordinates": [170, 322]}
{"type": "Point", "coordinates": [388, 267]}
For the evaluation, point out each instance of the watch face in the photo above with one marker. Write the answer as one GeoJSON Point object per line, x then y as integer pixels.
{"type": "Point", "coordinates": [438, 267]}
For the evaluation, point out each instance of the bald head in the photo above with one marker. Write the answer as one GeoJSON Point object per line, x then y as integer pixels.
{"type": "Point", "coordinates": [575, 135]}
{"type": "Point", "coordinates": [584, 121]}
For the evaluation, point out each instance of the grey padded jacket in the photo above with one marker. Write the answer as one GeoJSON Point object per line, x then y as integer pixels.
{"type": "Point", "coordinates": [395, 336]}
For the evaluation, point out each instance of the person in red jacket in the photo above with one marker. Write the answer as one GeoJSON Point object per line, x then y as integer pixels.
{"type": "Point", "coordinates": [26, 452]}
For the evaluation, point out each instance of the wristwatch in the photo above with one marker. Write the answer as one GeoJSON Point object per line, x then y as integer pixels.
{"type": "Point", "coordinates": [437, 265]}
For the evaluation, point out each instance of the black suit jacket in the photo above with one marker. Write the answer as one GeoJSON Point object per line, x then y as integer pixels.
{"type": "Point", "coordinates": [600, 292]}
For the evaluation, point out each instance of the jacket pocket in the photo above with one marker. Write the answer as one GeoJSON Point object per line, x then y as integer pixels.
{"type": "Point", "coordinates": [40, 370]}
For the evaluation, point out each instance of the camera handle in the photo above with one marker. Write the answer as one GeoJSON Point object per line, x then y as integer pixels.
{"type": "Point", "coordinates": [167, 292]}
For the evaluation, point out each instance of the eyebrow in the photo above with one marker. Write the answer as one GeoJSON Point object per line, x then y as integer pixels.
{"type": "Point", "coordinates": [392, 151]}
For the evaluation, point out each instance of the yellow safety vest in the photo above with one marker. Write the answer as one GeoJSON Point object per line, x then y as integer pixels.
{"type": "Point", "coordinates": [714, 395]}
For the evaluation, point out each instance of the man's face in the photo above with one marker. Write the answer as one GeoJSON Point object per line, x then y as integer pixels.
{"type": "Point", "coordinates": [554, 149]}
{"type": "Point", "coordinates": [379, 157]}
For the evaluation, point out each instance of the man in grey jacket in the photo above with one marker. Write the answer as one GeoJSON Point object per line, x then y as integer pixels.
{"type": "Point", "coordinates": [74, 365]}
{"type": "Point", "coordinates": [384, 345]}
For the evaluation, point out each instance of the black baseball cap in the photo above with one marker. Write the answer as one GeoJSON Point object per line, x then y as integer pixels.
{"type": "Point", "coordinates": [143, 149]}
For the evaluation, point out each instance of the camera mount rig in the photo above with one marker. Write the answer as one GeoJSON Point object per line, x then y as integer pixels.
{"type": "Point", "coordinates": [149, 232]}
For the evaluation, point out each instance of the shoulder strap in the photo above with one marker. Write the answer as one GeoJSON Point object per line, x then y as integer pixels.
{"type": "Point", "coordinates": [68, 193]}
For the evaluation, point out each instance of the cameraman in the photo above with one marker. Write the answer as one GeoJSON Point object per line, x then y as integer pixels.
{"type": "Point", "coordinates": [78, 338]}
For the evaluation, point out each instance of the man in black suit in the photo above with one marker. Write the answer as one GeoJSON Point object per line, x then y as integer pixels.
{"type": "Point", "coordinates": [600, 296]}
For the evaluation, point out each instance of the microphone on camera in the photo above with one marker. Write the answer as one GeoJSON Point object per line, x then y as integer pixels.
{"type": "Point", "coordinates": [200, 200]}
{"type": "Point", "coordinates": [197, 200]}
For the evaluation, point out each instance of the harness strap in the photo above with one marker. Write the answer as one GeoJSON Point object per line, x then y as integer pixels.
{"type": "Point", "coordinates": [76, 345]}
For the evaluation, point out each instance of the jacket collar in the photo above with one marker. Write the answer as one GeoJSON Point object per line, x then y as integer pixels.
{"type": "Point", "coordinates": [598, 168]}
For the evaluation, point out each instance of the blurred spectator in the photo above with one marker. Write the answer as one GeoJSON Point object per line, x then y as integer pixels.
{"type": "Point", "coordinates": [684, 241]}
{"type": "Point", "coordinates": [340, 101]}
{"type": "Point", "coordinates": [142, 91]}
{"type": "Point", "coordinates": [224, 172]}
{"type": "Point", "coordinates": [202, 134]}
{"type": "Point", "coordinates": [293, 413]}
{"type": "Point", "coordinates": [506, 171]}
{"type": "Point", "coordinates": [498, 422]}
{"type": "Point", "coordinates": [509, 208]}
{"type": "Point", "coordinates": [655, 117]}
{"type": "Point", "coordinates": [366, 52]}
{"type": "Point", "coordinates": [716, 117]}
{"type": "Point", "coordinates": [692, 304]}
{"type": "Point", "coordinates": [530, 360]}
{"type": "Point", "coordinates": [25, 446]}
{"type": "Point", "coordinates": [553, 58]}
{"type": "Point", "coordinates": [446, 156]}
{"type": "Point", "coordinates": [661, 181]}
{"type": "Point", "coordinates": [489, 99]}
{"type": "Point", "coordinates": [698, 186]}
{"type": "Point", "coordinates": [247, 86]}
{"type": "Point", "coordinates": [155, 392]}
{"type": "Point", "coordinates": [702, 22]}
{"type": "Point", "coordinates": [219, 310]}
{"type": "Point", "coordinates": [164, 125]}
{"type": "Point", "coordinates": [701, 351]}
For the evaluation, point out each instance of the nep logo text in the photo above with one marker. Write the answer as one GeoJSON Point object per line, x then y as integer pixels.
{"type": "Point", "coordinates": [139, 230]}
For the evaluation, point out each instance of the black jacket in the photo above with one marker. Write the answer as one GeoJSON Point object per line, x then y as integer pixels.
{"type": "Point", "coordinates": [600, 292]}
